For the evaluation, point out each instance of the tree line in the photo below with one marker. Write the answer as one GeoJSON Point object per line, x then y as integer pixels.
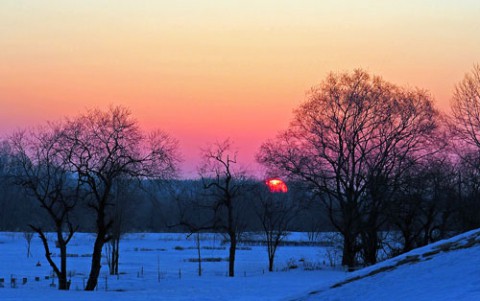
{"type": "Point", "coordinates": [362, 156]}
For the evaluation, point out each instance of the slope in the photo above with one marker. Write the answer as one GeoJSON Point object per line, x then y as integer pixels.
{"type": "Point", "coordinates": [445, 270]}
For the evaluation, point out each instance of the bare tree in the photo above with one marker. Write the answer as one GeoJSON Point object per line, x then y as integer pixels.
{"type": "Point", "coordinates": [113, 245]}
{"type": "Point", "coordinates": [28, 235]}
{"type": "Point", "coordinates": [124, 193]}
{"type": "Point", "coordinates": [42, 172]}
{"type": "Point", "coordinates": [117, 229]}
{"type": "Point", "coordinates": [102, 147]}
{"type": "Point", "coordinates": [276, 212]}
{"type": "Point", "coordinates": [423, 208]}
{"type": "Point", "coordinates": [191, 212]}
{"type": "Point", "coordinates": [466, 108]}
{"type": "Point", "coordinates": [468, 191]}
{"type": "Point", "coordinates": [225, 184]}
{"type": "Point", "coordinates": [351, 127]}
{"type": "Point", "coordinates": [465, 124]}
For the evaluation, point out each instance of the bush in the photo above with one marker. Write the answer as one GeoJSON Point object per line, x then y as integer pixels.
{"type": "Point", "coordinates": [291, 264]}
{"type": "Point", "coordinates": [311, 266]}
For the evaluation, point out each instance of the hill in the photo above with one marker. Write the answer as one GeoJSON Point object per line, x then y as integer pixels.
{"type": "Point", "coordinates": [445, 270]}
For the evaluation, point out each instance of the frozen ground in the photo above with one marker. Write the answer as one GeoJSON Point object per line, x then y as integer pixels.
{"type": "Point", "coordinates": [156, 266]}
{"type": "Point", "coordinates": [447, 270]}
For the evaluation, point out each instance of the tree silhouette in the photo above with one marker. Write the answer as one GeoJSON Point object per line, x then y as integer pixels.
{"type": "Point", "coordinates": [353, 129]}
{"type": "Point", "coordinates": [105, 146]}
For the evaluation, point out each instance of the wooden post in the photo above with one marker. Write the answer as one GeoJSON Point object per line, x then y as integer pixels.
{"type": "Point", "coordinates": [13, 281]}
{"type": "Point", "coordinates": [158, 268]}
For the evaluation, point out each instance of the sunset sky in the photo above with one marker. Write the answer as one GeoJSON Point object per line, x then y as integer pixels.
{"type": "Point", "coordinates": [208, 70]}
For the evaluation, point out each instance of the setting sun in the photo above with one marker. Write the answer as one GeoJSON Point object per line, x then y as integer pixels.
{"type": "Point", "coordinates": [276, 185]}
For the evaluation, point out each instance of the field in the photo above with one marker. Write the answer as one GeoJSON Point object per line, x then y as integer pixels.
{"type": "Point", "coordinates": [163, 266]}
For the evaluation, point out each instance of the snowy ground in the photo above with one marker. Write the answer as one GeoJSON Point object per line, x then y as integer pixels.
{"type": "Point", "coordinates": [156, 266]}
{"type": "Point", "coordinates": [447, 270]}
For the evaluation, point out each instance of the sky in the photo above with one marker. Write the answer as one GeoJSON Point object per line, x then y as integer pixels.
{"type": "Point", "coordinates": [209, 70]}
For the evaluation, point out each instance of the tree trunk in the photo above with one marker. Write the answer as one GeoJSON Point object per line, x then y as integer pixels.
{"type": "Point", "coordinates": [61, 274]}
{"type": "Point", "coordinates": [408, 241]}
{"type": "Point", "coordinates": [62, 277]}
{"type": "Point", "coordinates": [28, 249]}
{"type": "Point", "coordinates": [349, 251]}
{"type": "Point", "coordinates": [231, 258]}
{"type": "Point", "coordinates": [271, 248]}
{"type": "Point", "coordinates": [370, 246]}
{"type": "Point", "coordinates": [199, 255]}
{"type": "Point", "coordinates": [369, 235]}
{"type": "Point", "coordinates": [100, 240]}
{"type": "Point", "coordinates": [113, 253]}
{"type": "Point", "coordinates": [117, 256]}
{"type": "Point", "coordinates": [270, 263]}
{"type": "Point", "coordinates": [96, 262]}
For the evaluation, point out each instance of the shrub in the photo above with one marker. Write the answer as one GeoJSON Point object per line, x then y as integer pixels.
{"type": "Point", "coordinates": [311, 266]}
{"type": "Point", "coordinates": [291, 264]}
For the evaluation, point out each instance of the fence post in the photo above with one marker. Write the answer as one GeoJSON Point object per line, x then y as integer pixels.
{"type": "Point", "coordinates": [158, 268]}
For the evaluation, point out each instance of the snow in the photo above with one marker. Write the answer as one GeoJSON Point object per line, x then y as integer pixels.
{"type": "Point", "coordinates": [446, 270]}
{"type": "Point", "coordinates": [142, 256]}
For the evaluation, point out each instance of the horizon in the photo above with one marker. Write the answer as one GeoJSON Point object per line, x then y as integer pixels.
{"type": "Point", "coordinates": [205, 71]}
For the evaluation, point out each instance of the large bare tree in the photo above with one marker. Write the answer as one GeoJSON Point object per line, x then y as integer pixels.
{"type": "Point", "coordinates": [104, 146]}
{"type": "Point", "coordinates": [225, 184]}
{"type": "Point", "coordinates": [352, 129]}
{"type": "Point", "coordinates": [465, 124]}
{"type": "Point", "coordinates": [41, 169]}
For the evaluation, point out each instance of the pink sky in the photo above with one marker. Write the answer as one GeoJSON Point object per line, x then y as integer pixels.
{"type": "Point", "coordinates": [208, 70]}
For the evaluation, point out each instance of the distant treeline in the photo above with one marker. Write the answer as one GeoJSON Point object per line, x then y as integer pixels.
{"type": "Point", "coordinates": [147, 207]}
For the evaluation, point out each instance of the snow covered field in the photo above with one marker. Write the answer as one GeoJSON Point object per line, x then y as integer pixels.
{"type": "Point", "coordinates": [157, 266]}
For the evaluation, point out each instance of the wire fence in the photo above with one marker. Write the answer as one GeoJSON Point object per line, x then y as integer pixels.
{"type": "Point", "coordinates": [129, 280]}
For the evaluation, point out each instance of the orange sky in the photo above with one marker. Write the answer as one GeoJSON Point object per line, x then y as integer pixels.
{"type": "Point", "coordinates": [208, 70]}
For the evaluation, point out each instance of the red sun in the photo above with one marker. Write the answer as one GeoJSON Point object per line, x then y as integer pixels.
{"type": "Point", "coordinates": [276, 185]}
